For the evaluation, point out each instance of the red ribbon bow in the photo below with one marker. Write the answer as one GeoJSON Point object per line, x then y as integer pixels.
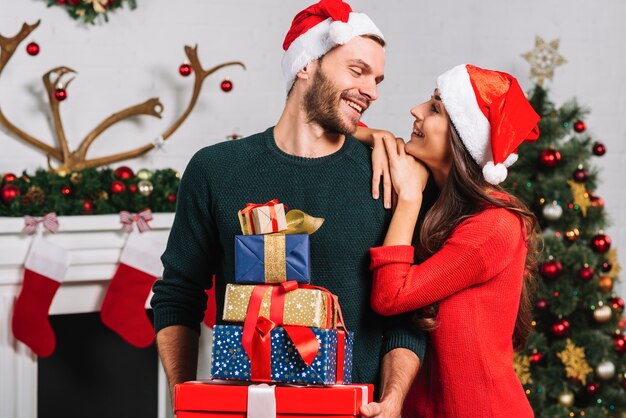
{"type": "Point", "coordinates": [271, 204]}
{"type": "Point", "coordinates": [142, 218]}
{"type": "Point", "coordinates": [49, 221]}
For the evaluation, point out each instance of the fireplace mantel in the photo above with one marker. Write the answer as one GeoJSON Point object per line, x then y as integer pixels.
{"type": "Point", "coordinates": [94, 244]}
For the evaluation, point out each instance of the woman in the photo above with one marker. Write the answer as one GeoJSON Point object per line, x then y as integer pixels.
{"type": "Point", "coordinates": [477, 245]}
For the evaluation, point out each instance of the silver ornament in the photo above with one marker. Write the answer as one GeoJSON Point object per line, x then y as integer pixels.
{"type": "Point", "coordinates": [602, 314]}
{"type": "Point", "coordinates": [144, 174]}
{"type": "Point", "coordinates": [145, 187]}
{"type": "Point", "coordinates": [566, 399]}
{"type": "Point", "coordinates": [605, 370]}
{"type": "Point", "coordinates": [552, 211]}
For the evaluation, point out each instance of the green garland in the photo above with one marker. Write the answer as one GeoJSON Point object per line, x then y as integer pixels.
{"type": "Point", "coordinates": [91, 191]}
{"type": "Point", "coordinates": [91, 10]}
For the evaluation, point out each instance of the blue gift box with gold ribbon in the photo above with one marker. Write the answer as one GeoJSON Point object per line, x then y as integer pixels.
{"type": "Point", "coordinates": [272, 258]}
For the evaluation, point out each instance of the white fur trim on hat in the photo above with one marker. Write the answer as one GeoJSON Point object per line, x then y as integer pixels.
{"type": "Point", "coordinates": [457, 94]}
{"type": "Point", "coordinates": [495, 174]}
{"type": "Point", "coordinates": [320, 39]}
{"type": "Point", "coordinates": [511, 159]}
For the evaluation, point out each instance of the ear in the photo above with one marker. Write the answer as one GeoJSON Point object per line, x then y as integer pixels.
{"type": "Point", "coordinates": [306, 72]}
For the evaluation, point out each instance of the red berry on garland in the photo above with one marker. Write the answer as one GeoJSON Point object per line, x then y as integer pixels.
{"type": "Point", "coordinates": [620, 344]}
{"type": "Point", "coordinates": [226, 85]}
{"type": "Point", "coordinates": [132, 188]}
{"type": "Point", "coordinates": [117, 187]}
{"type": "Point", "coordinates": [560, 328]}
{"type": "Point", "coordinates": [535, 358]}
{"type": "Point", "coordinates": [586, 273]}
{"type": "Point", "coordinates": [60, 94]}
{"type": "Point", "coordinates": [579, 126]}
{"type": "Point", "coordinates": [9, 193]}
{"type": "Point", "coordinates": [8, 178]}
{"type": "Point", "coordinates": [617, 304]}
{"type": "Point", "coordinates": [66, 190]}
{"type": "Point", "coordinates": [551, 269]}
{"type": "Point", "coordinates": [550, 158]}
{"type": "Point", "coordinates": [542, 304]}
{"type": "Point", "coordinates": [601, 243]}
{"type": "Point", "coordinates": [124, 173]}
{"type": "Point", "coordinates": [599, 149]}
{"type": "Point", "coordinates": [87, 207]}
{"type": "Point", "coordinates": [592, 388]}
{"type": "Point", "coordinates": [32, 49]}
{"type": "Point", "coordinates": [171, 198]}
{"type": "Point", "coordinates": [185, 69]}
{"type": "Point", "coordinates": [580, 175]}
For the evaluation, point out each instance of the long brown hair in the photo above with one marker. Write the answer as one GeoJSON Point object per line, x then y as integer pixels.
{"type": "Point", "coordinates": [464, 195]}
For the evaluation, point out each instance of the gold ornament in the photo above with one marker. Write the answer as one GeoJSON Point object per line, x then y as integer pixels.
{"type": "Point", "coordinates": [572, 235]}
{"type": "Point", "coordinates": [101, 195]}
{"type": "Point", "coordinates": [566, 399]}
{"type": "Point", "coordinates": [76, 178]}
{"type": "Point", "coordinates": [145, 187]}
{"type": "Point", "coordinates": [602, 314]}
{"type": "Point", "coordinates": [605, 370]}
{"type": "Point", "coordinates": [573, 358]}
{"type": "Point", "coordinates": [34, 195]}
{"type": "Point", "coordinates": [521, 365]}
{"type": "Point", "coordinates": [612, 258]}
{"type": "Point", "coordinates": [581, 196]}
{"type": "Point", "coordinates": [144, 174]}
{"type": "Point", "coordinates": [544, 59]}
{"type": "Point", "coordinates": [605, 284]}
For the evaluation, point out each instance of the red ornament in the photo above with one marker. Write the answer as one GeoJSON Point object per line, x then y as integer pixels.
{"type": "Point", "coordinates": [580, 175]}
{"type": "Point", "coordinates": [617, 304]}
{"type": "Point", "coordinates": [124, 173]}
{"type": "Point", "coordinates": [606, 266]}
{"type": "Point", "coordinates": [118, 187]}
{"type": "Point", "coordinates": [32, 49]}
{"type": "Point", "coordinates": [599, 149]}
{"type": "Point", "coordinates": [592, 388]}
{"type": "Point", "coordinates": [542, 304]}
{"type": "Point", "coordinates": [61, 2]}
{"type": "Point", "coordinates": [171, 198]}
{"type": "Point", "coordinates": [579, 126]}
{"type": "Point", "coordinates": [132, 188]}
{"type": "Point", "coordinates": [185, 69]}
{"type": "Point", "coordinates": [596, 201]}
{"type": "Point", "coordinates": [8, 178]}
{"type": "Point", "coordinates": [60, 94]}
{"type": "Point", "coordinates": [560, 328]}
{"type": "Point", "coordinates": [226, 85]}
{"type": "Point", "coordinates": [601, 243]}
{"type": "Point", "coordinates": [87, 207]}
{"type": "Point", "coordinates": [535, 358]}
{"type": "Point", "coordinates": [550, 158]}
{"type": "Point", "coordinates": [551, 269]}
{"type": "Point", "coordinates": [620, 344]}
{"type": "Point", "coordinates": [74, 2]}
{"type": "Point", "coordinates": [9, 193]}
{"type": "Point", "coordinates": [586, 273]}
{"type": "Point", "coordinates": [624, 383]}
{"type": "Point", "coordinates": [66, 190]}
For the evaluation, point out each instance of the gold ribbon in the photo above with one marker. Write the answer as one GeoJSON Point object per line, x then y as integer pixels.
{"type": "Point", "coordinates": [299, 222]}
{"type": "Point", "coordinates": [275, 252]}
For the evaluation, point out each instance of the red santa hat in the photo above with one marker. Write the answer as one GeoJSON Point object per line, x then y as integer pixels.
{"type": "Point", "coordinates": [491, 115]}
{"type": "Point", "coordinates": [318, 29]}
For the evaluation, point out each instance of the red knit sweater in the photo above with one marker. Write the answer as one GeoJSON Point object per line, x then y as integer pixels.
{"type": "Point", "coordinates": [477, 278]}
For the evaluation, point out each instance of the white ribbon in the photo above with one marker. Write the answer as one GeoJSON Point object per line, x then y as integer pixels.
{"type": "Point", "coordinates": [261, 401]}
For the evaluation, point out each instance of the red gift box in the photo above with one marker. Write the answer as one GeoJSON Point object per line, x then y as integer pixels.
{"type": "Point", "coordinates": [203, 399]}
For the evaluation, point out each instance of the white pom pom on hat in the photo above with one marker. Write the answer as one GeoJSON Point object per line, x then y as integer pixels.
{"type": "Point", "coordinates": [491, 114]}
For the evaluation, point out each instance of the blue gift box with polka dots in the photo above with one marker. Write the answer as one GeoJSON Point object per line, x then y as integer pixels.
{"type": "Point", "coordinates": [230, 361]}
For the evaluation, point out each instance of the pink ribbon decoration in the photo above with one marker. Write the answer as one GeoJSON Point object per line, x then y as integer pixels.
{"type": "Point", "coordinates": [141, 218]}
{"type": "Point", "coordinates": [49, 221]}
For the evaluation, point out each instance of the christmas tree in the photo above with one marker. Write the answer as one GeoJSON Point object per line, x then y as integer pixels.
{"type": "Point", "coordinates": [574, 363]}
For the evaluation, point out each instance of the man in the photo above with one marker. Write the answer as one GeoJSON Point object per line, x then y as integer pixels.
{"type": "Point", "coordinates": [333, 61]}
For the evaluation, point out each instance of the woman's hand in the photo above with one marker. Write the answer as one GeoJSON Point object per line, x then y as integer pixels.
{"type": "Point", "coordinates": [408, 175]}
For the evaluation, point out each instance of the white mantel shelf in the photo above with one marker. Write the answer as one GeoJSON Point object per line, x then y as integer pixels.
{"type": "Point", "coordinates": [94, 244]}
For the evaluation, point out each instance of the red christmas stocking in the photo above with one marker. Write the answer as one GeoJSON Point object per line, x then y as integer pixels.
{"type": "Point", "coordinates": [44, 270]}
{"type": "Point", "coordinates": [210, 311]}
{"type": "Point", "coordinates": [124, 306]}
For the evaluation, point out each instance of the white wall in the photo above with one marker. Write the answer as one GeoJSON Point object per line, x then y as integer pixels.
{"type": "Point", "coordinates": [136, 56]}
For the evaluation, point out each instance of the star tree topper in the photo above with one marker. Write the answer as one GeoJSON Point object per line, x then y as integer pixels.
{"type": "Point", "coordinates": [544, 59]}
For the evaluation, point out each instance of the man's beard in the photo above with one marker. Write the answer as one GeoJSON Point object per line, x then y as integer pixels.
{"type": "Point", "coordinates": [321, 104]}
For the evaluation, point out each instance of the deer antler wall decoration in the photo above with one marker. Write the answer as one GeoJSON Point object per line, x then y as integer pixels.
{"type": "Point", "coordinates": [77, 160]}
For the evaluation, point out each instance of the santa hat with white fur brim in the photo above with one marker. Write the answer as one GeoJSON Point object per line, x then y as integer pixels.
{"type": "Point", "coordinates": [318, 29]}
{"type": "Point", "coordinates": [491, 115]}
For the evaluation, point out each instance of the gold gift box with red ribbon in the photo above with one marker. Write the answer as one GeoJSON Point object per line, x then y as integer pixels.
{"type": "Point", "coordinates": [303, 306]}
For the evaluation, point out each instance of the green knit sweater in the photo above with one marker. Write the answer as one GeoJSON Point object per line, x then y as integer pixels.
{"type": "Point", "coordinates": [222, 178]}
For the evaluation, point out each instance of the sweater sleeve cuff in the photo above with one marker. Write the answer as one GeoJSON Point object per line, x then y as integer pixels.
{"type": "Point", "coordinates": [390, 254]}
{"type": "Point", "coordinates": [166, 317]}
{"type": "Point", "coordinates": [405, 338]}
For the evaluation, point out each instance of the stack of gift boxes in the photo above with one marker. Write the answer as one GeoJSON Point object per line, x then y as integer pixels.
{"type": "Point", "coordinates": [283, 329]}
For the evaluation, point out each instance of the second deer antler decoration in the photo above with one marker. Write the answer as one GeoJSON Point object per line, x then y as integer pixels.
{"type": "Point", "coordinates": [77, 159]}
